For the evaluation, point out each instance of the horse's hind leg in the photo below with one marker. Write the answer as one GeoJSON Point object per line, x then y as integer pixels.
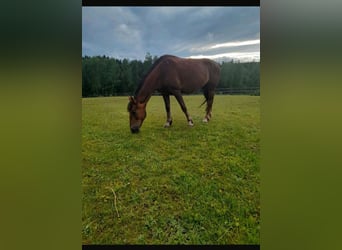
{"type": "Point", "coordinates": [166, 98]}
{"type": "Point", "coordinates": [209, 96]}
{"type": "Point", "coordinates": [180, 100]}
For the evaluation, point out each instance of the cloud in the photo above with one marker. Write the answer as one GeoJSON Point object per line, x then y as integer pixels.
{"type": "Point", "coordinates": [131, 32]}
{"type": "Point", "coordinates": [226, 45]}
{"type": "Point", "coordinates": [236, 56]}
{"type": "Point", "coordinates": [235, 44]}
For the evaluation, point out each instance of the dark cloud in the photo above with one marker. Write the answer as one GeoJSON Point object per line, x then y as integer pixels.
{"type": "Point", "coordinates": [131, 32]}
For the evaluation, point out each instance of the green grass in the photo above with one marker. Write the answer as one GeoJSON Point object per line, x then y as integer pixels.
{"type": "Point", "coordinates": [177, 185]}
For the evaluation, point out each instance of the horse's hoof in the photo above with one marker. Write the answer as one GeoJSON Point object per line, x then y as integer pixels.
{"type": "Point", "coordinates": [167, 124]}
{"type": "Point", "coordinates": [191, 123]}
{"type": "Point", "coordinates": [205, 120]}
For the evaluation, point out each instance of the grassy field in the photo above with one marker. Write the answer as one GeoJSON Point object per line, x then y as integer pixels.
{"type": "Point", "coordinates": [177, 185]}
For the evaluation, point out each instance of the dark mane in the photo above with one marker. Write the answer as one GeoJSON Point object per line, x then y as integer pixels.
{"type": "Point", "coordinates": [149, 71]}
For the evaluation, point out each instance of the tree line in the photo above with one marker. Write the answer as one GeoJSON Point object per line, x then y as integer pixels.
{"type": "Point", "coordinates": [105, 76]}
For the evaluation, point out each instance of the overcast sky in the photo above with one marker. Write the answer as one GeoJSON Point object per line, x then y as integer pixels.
{"type": "Point", "coordinates": [212, 32]}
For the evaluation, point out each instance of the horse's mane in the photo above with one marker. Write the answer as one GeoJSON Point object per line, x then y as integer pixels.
{"type": "Point", "coordinates": [141, 83]}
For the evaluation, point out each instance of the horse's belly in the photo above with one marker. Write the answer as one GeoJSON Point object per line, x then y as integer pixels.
{"type": "Point", "coordinates": [189, 90]}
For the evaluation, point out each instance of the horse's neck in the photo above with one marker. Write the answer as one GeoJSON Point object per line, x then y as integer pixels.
{"type": "Point", "coordinates": [146, 90]}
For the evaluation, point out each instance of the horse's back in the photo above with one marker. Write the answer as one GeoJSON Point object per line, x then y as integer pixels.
{"type": "Point", "coordinates": [186, 74]}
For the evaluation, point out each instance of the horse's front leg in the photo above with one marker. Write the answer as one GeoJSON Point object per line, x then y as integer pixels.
{"type": "Point", "coordinates": [166, 98]}
{"type": "Point", "coordinates": [181, 102]}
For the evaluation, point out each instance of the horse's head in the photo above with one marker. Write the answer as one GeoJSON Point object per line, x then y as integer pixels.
{"type": "Point", "coordinates": [137, 114]}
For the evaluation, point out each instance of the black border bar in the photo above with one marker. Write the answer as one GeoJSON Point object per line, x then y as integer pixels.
{"type": "Point", "coordinates": [170, 3]}
{"type": "Point", "coordinates": [171, 247]}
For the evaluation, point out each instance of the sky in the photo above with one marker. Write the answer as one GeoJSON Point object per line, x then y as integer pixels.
{"type": "Point", "coordinates": [219, 33]}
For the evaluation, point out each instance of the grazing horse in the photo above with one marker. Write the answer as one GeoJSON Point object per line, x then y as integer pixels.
{"type": "Point", "coordinates": [171, 75]}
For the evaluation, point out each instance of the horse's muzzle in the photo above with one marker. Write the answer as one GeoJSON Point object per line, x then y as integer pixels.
{"type": "Point", "coordinates": [134, 130]}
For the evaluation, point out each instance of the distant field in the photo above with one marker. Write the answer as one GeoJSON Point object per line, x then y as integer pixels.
{"type": "Point", "coordinates": [177, 185]}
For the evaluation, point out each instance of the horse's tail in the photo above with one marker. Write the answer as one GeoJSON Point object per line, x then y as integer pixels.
{"type": "Point", "coordinates": [206, 94]}
{"type": "Point", "coordinates": [202, 103]}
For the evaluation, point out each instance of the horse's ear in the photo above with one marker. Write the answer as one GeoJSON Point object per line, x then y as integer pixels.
{"type": "Point", "coordinates": [131, 99]}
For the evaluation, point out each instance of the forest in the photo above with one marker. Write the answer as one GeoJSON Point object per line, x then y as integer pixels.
{"type": "Point", "coordinates": [106, 76]}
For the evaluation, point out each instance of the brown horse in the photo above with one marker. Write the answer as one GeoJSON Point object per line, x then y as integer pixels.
{"type": "Point", "coordinates": [171, 75]}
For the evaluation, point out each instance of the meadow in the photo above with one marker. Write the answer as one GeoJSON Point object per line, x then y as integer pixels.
{"type": "Point", "coordinates": [177, 185]}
